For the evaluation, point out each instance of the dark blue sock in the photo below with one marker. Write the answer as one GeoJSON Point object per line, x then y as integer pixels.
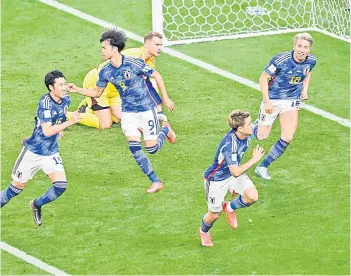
{"type": "Point", "coordinates": [160, 141]}
{"type": "Point", "coordinates": [238, 203]}
{"type": "Point", "coordinates": [10, 192]}
{"type": "Point", "coordinates": [143, 161]}
{"type": "Point", "coordinates": [276, 151]}
{"type": "Point", "coordinates": [165, 130]}
{"type": "Point", "coordinates": [52, 193]}
{"type": "Point", "coordinates": [205, 227]}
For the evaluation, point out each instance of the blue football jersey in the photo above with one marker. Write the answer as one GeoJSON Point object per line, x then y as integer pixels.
{"type": "Point", "coordinates": [47, 111]}
{"type": "Point", "coordinates": [287, 75]}
{"type": "Point", "coordinates": [129, 79]}
{"type": "Point", "coordinates": [230, 152]}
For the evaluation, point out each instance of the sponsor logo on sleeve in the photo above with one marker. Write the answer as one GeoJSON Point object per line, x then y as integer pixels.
{"type": "Point", "coordinates": [272, 68]}
{"type": "Point", "coordinates": [47, 114]}
{"type": "Point", "coordinates": [234, 157]}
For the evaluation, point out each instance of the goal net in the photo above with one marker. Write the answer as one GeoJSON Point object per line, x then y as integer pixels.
{"type": "Point", "coordinates": [188, 21]}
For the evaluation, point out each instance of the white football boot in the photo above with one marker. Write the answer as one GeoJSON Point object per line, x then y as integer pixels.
{"type": "Point", "coordinates": [263, 172]}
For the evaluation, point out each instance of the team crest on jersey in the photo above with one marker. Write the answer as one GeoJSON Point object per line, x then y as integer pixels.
{"type": "Point", "coordinates": [127, 74]}
{"type": "Point", "coordinates": [306, 70]}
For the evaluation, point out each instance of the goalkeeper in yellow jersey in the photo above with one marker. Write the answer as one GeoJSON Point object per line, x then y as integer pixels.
{"type": "Point", "coordinates": [103, 111]}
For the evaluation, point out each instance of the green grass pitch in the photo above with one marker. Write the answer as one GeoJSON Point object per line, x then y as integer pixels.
{"type": "Point", "coordinates": [105, 223]}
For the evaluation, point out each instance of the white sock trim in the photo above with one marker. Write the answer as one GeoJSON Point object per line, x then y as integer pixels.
{"type": "Point", "coordinates": [229, 208]}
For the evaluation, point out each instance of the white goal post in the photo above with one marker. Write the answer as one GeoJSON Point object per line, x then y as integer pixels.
{"type": "Point", "coordinates": [189, 21]}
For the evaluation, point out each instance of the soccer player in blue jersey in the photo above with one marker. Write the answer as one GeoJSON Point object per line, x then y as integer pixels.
{"type": "Point", "coordinates": [40, 150]}
{"type": "Point", "coordinates": [284, 83]}
{"type": "Point", "coordinates": [226, 174]}
{"type": "Point", "coordinates": [139, 113]}
{"type": "Point", "coordinates": [103, 111]}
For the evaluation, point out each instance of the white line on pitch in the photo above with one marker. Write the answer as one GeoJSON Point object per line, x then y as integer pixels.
{"type": "Point", "coordinates": [30, 259]}
{"type": "Point", "coordinates": [197, 62]}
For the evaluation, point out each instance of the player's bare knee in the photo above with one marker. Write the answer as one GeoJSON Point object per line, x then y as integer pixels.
{"type": "Point", "coordinates": [262, 136]}
{"type": "Point", "coordinates": [105, 125]}
{"type": "Point", "coordinates": [18, 185]}
{"type": "Point", "coordinates": [287, 138]}
{"type": "Point", "coordinates": [215, 215]}
{"type": "Point", "coordinates": [251, 195]}
{"type": "Point", "coordinates": [150, 143]}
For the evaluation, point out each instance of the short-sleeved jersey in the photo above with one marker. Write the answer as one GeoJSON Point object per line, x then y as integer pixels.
{"type": "Point", "coordinates": [129, 79]}
{"type": "Point", "coordinates": [230, 152]}
{"type": "Point", "coordinates": [91, 78]}
{"type": "Point", "coordinates": [110, 91]}
{"type": "Point", "coordinates": [287, 75]}
{"type": "Point", "coordinates": [48, 111]}
{"type": "Point", "coordinates": [140, 53]}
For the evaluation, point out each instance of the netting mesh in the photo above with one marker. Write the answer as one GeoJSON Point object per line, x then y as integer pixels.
{"type": "Point", "coordinates": [192, 19]}
{"type": "Point", "coordinates": [334, 16]}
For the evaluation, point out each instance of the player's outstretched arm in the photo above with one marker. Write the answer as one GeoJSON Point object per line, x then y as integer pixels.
{"type": "Point", "coordinates": [50, 130]}
{"type": "Point", "coordinates": [161, 86]}
{"type": "Point", "coordinates": [306, 82]}
{"type": "Point", "coordinates": [264, 91]}
{"type": "Point", "coordinates": [257, 154]}
{"type": "Point", "coordinates": [88, 92]}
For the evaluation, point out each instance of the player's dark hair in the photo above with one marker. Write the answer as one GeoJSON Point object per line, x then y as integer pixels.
{"type": "Point", "coordinates": [237, 118]}
{"type": "Point", "coordinates": [51, 77]}
{"type": "Point", "coordinates": [116, 38]}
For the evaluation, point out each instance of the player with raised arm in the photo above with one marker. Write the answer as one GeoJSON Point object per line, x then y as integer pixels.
{"type": "Point", "coordinates": [139, 113]}
{"type": "Point", "coordinates": [40, 150]}
{"type": "Point", "coordinates": [284, 83]}
{"type": "Point", "coordinates": [103, 111]}
{"type": "Point", "coordinates": [226, 174]}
